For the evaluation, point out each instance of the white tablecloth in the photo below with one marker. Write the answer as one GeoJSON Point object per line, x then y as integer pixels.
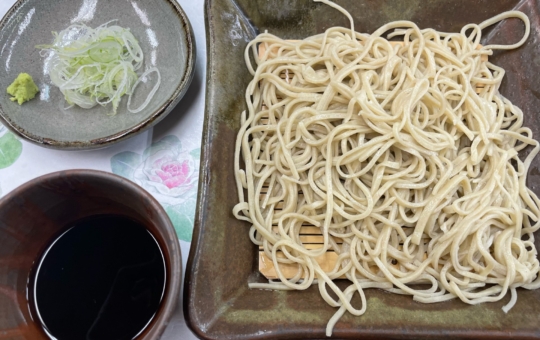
{"type": "Point", "coordinates": [168, 169]}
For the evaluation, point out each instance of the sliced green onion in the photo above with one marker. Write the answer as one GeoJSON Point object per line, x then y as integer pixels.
{"type": "Point", "coordinates": [105, 51]}
{"type": "Point", "coordinates": [97, 66]}
{"type": "Point", "coordinates": [150, 95]}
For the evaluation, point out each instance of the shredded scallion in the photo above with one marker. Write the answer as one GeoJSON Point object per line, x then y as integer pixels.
{"type": "Point", "coordinates": [97, 66]}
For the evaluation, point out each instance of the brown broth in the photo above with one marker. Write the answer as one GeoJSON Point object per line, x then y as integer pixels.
{"type": "Point", "coordinates": [103, 278]}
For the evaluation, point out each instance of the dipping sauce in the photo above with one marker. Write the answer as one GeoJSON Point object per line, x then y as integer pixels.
{"type": "Point", "coordinates": [103, 278]}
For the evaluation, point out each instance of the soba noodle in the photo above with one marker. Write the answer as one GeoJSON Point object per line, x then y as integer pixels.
{"type": "Point", "coordinates": [404, 155]}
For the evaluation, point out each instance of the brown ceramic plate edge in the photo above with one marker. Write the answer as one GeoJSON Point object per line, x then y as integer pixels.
{"type": "Point", "coordinates": [146, 124]}
{"type": "Point", "coordinates": [210, 313]}
{"type": "Point", "coordinates": [194, 253]}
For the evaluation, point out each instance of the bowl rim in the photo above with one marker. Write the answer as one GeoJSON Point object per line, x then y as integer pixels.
{"type": "Point", "coordinates": [168, 305]}
{"type": "Point", "coordinates": [129, 132]}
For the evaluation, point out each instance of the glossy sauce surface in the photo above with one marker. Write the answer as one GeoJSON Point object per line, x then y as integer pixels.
{"type": "Point", "coordinates": [103, 279]}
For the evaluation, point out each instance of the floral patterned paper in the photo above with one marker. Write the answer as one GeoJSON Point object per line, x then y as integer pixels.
{"type": "Point", "coordinates": [170, 173]}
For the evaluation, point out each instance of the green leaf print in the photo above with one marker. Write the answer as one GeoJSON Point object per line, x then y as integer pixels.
{"type": "Point", "coordinates": [169, 142]}
{"type": "Point", "coordinates": [125, 163]}
{"type": "Point", "coordinates": [10, 149]}
{"type": "Point", "coordinates": [182, 217]}
{"type": "Point", "coordinates": [196, 153]}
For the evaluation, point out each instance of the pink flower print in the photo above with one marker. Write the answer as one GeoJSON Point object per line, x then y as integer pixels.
{"type": "Point", "coordinates": [168, 174]}
{"type": "Point", "coordinates": [172, 173]}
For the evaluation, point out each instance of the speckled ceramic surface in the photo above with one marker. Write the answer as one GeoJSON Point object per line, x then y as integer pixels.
{"type": "Point", "coordinates": [217, 301]}
{"type": "Point", "coordinates": [165, 36]}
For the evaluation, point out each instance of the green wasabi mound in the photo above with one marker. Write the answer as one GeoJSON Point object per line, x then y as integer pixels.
{"type": "Point", "coordinates": [23, 88]}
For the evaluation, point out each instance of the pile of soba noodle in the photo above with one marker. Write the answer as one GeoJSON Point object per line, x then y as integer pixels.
{"type": "Point", "coordinates": [407, 165]}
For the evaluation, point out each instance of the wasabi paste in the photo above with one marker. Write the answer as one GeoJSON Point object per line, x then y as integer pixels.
{"type": "Point", "coordinates": [23, 88]}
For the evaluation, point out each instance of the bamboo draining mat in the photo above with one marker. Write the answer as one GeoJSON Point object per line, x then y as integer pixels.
{"type": "Point", "coordinates": [310, 235]}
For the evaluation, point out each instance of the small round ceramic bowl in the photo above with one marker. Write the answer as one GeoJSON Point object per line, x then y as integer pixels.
{"type": "Point", "coordinates": [34, 214]}
{"type": "Point", "coordinates": [164, 34]}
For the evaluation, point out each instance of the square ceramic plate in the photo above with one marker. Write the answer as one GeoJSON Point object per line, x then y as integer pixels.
{"type": "Point", "coordinates": [218, 303]}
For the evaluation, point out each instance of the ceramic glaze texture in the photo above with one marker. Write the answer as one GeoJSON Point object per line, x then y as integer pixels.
{"type": "Point", "coordinates": [163, 32]}
{"type": "Point", "coordinates": [218, 303]}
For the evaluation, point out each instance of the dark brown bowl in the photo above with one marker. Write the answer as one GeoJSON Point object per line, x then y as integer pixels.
{"type": "Point", "coordinates": [222, 260]}
{"type": "Point", "coordinates": [34, 214]}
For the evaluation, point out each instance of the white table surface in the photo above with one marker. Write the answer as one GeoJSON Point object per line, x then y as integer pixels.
{"type": "Point", "coordinates": [183, 126]}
